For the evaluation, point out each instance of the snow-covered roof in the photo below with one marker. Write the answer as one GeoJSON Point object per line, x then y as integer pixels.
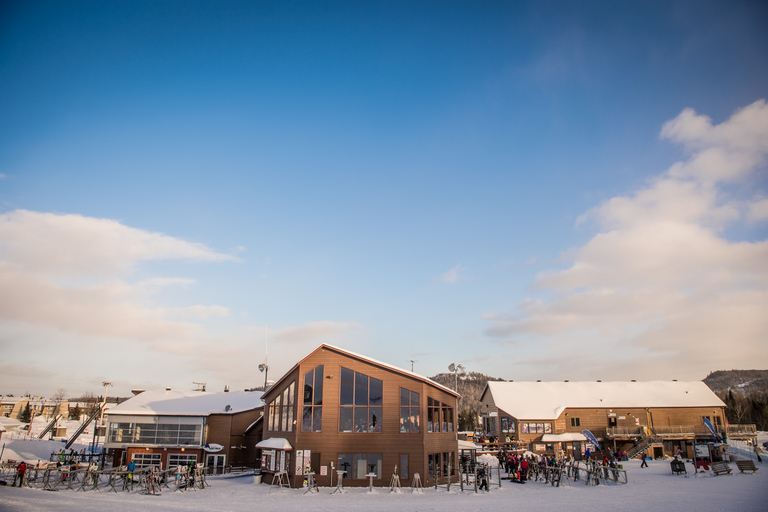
{"type": "Point", "coordinates": [275, 443]}
{"type": "Point", "coordinates": [188, 403]}
{"type": "Point", "coordinates": [547, 400]}
{"type": "Point", "coordinates": [373, 362]}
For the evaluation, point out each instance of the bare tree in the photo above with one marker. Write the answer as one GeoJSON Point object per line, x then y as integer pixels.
{"type": "Point", "coordinates": [60, 395]}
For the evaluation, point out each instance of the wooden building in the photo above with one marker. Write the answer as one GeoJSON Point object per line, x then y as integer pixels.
{"type": "Point", "coordinates": [171, 428]}
{"type": "Point", "coordinates": [550, 417]}
{"type": "Point", "coordinates": [337, 410]}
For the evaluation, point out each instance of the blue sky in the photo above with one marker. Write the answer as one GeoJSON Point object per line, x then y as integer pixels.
{"type": "Point", "coordinates": [536, 190]}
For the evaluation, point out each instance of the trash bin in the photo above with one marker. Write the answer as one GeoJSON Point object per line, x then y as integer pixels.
{"type": "Point", "coordinates": [257, 476]}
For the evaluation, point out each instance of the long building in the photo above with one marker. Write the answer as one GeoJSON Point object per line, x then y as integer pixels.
{"type": "Point", "coordinates": [550, 417]}
{"type": "Point", "coordinates": [340, 411]}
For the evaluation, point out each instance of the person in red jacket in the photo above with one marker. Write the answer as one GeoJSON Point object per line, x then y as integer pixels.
{"type": "Point", "coordinates": [21, 471]}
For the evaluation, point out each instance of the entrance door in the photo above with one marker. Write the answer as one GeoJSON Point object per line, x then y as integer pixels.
{"type": "Point", "coordinates": [658, 452]}
{"type": "Point", "coordinates": [577, 450]}
{"type": "Point", "coordinates": [215, 464]}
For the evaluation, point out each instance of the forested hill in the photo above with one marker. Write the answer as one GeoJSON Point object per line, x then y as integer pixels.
{"type": "Point", "coordinates": [745, 393]}
{"type": "Point", "coordinates": [471, 385]}
{"type": "Point", "coordinates": [748, 382]}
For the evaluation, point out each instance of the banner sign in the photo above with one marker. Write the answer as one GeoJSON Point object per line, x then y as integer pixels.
{"type": "Point", "coordinates": [592, 439]}
{"type": "Point", "coordinates": [709, 426]}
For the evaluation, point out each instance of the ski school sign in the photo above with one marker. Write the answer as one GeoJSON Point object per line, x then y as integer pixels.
{"type": "Point", "coordinates": [213, 447]}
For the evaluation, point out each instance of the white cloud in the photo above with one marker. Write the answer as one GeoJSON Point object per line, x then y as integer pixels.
{"type": "Point", "coordinates": [71, 245]}
{"type": "Point", "coordinates": [453, 275]}
{"type": "Point", "coordinates": [660, 284]}
{"type": "Point", "coordinates": [67, 272]}
{"type": "Point", "coordinates": [315, 332]}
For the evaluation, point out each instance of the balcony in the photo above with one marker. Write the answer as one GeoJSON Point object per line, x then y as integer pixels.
{"type": "Point", "coordinates": [742, 431]}
{"type": "Point", "coordinates": [624, 432]}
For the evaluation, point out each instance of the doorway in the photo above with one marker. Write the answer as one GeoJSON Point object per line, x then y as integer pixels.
{"type": "Point", "coordinates": [215, 464]}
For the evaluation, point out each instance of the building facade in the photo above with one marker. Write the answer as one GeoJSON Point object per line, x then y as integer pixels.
{"type": "Point", "coordinates": [550, 417]}
{"type": "Point", "coordinates": [340, 411]}
{"type": "Point", "coordinates": [171, 428]}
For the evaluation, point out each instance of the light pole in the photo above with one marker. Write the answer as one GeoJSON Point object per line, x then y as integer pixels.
{"type": "Point", "coordinates": [456, 368]}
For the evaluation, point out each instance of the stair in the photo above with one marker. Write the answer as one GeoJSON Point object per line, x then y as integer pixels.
{"type": "Point", "coordinates": [645, 443]}
{"type": "Point", "coordinates": [82, 428]}
{"type": "Point", "coordinates": [50, 425]}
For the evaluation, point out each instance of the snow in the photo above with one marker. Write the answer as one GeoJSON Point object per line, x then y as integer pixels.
{"type": "Point", "coordinates": [652, 488]}
{"type": "Point", "coordinates": [547, 400]}
{"type": "Point", "coordinates": [188, 403]}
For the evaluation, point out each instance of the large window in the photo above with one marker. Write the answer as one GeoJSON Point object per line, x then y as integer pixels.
{"type": "Point", "coordinates": [282, 410]}
{"type": "Point", "coordinates": [535, 428]}
{"type": "Point", "coordinates": [441, 464]}
{"type": "Point", "coordinates": [360, 402]}
{"type": "Point", "coordinates": [575, 422]}
{"type": "Point", "coordinates": [359, 465]}
{"type": "Point", "coordinates": [439, 416]}
{"type": "Point", "coordinates": [181, 459]}
{"type": "Point", "coordinates": [409, 411]}
{"type": "Point", "coordinates": [489, 425]}
{"type": "Point", "coordinates": [162, 431]}
{"type": "Point", "coordinates": [312, 416]}
{"type": "Point", "coordinates": [143, 460]}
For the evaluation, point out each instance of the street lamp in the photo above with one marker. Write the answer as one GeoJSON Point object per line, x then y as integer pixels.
{"type": "Point", "coordinates": [264, 367]}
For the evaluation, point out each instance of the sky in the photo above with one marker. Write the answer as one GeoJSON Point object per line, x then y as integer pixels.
{"type": "Point", "coordinates": [533, 190]}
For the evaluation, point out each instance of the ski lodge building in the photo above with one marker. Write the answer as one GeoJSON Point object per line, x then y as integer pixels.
{"type": "Point", "coordinates": [171, 428]}
{"type": "Point", "coordinates": [550, 417]}
{"type": "Point", "coordinates": [340, 411]}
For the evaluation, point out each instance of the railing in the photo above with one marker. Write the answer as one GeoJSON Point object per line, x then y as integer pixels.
{"type": "Point", "coordinates": [625, 432]}
{"type": "Point", "coordinates": [750, 430]}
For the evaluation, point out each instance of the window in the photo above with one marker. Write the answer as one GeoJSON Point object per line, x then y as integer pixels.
{"type": "Point", "coordinates": [507, 425]}
{"type": "Point", "coordinates": [181, 459]}
{"type": "Point", "coordinates": [144, 460]}
{"type": "Point", "coordinates": [439, 416]}
{"type": "Point", "coordinates": [162, 431]}
{"type": "Point", "coordinates": [535, 428]}
{"type": "Point", "coordinates": [409, 411]}
{"type": "Point", "coordinates": [360, 402]}
{"type": "Point", "coordinates": [282, 410]}
{"type": "Point", "coordinates": [360, 464]}
{"type": "Point", "coordinates": [489, 425]}
{"type": "Point", "coordinates": [312, 417]}
{"type": "Point", "coordinates": [441, 464]}
{"type": "Point", "coordinates": [575, 422]}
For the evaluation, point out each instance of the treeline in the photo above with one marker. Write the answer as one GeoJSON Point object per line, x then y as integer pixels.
{"type": "Point", "coordinates": [470, 387]}
{"type": "Point", "coordinates": [745, 393]}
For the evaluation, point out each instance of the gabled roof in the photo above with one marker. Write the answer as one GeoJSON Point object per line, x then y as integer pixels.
{"type": "Point", "coordinates": [368, 360]}
{"type": "Point", "coordinates": [547, 400]}
{"type": "Point", "coordinates": [188, 403]}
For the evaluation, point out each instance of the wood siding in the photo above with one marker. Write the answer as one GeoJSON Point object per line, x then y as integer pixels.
{"type": "Point", "coordinates": [390, 442]}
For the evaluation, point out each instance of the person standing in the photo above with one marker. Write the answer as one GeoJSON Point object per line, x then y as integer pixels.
{"type": "Point", "coordinates": [758, 452]}
{"type": "Point", "coordinates": [645, 462]}
{"type": "Point", "coordinates": [21, 470]}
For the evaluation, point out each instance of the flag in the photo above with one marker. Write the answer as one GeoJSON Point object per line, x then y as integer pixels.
{"type": "Point", "coordinates": [592, 439]}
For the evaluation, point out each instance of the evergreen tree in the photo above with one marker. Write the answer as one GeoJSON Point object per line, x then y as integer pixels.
{"type": "Point", "coordinates": [26, 414]}
{"type": "Point", "coordinates": [75, 412]}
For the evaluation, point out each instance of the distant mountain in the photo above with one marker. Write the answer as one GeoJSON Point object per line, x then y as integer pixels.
{"type": "Point", "coordinates": [745, 393]}
{"type": "Point", "coordinates": [743, 381]}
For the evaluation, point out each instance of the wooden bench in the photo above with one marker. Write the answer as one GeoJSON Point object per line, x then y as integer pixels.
{"type": "Point", "coordinates": [678, 467]}
{"type": "Point", "coordinates": [746, 465]}
{"type": "Point", "coordinates": [721, 468]}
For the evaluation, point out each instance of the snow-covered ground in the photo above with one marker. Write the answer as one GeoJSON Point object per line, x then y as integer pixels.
{"type": "Point", "coordinates": [649, 489]}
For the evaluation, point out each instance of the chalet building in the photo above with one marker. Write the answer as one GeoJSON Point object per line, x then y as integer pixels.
{"type": "Point", "coordinates": [337, 410]}
{"type": "Point", "coordinates": [171, 428]}
{"type": "Point", "coordinates": [550, 417]}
